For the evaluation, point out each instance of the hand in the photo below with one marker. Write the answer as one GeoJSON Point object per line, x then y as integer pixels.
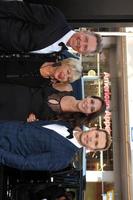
{"type": "Point", "coordinates": [31, 118]}
{"type": "Point", "coordinates": [45, 69]}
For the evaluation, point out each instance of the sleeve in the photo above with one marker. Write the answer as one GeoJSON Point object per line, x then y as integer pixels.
{"type": "Point", "coordinates": [31, 13]}
{"type": "Point", "coordinates": [38, 162]}
{"type": "Point", "coordinates": [22, 24]}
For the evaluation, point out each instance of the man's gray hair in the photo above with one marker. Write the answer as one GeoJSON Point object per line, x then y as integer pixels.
{"type": "Point", "coordinates": [76, 67]}
{"type": "Point", "coordinates": [99, 42]}
{"type": "Point", "coordinates": [98, 37]}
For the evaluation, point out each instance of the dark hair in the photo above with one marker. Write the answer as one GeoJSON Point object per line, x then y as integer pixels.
{"type": "Point", "coordinates": [78, 118]}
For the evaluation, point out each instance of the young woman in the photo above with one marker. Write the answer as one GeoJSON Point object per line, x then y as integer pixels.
{"type": "Point", "coordinates": [50, 103]}
{"type": "Point", "coordinates": [29, 104]}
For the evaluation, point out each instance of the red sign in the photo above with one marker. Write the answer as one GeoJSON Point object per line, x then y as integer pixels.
{"type": "Point", "coordinates": [107, 117]}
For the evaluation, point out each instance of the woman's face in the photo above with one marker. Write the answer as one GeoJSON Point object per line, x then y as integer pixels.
{"type": "Point", "coordinates": [89, 105]}
{"type": "Point", "coordinates": [63, 73]}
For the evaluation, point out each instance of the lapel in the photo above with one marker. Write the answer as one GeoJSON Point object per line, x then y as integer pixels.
{"type": "Point", "coordinates": [64, 143]}
{"type": "Point", "coordinates": [70, 136]}
{"type": "Point", "coordinates": [62, 140]}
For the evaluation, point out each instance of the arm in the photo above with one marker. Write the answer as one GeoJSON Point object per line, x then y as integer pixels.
{"type": "Point", "coordinates": [32, 118]}
{"type": "Point", "coordinates": [27, 27]}
{"type": "Point", "coordinates": [31, 13]}
{"type": "Point", "coordinates": [38, 162]}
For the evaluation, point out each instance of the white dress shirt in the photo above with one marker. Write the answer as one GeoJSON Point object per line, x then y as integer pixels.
{"type": "Point", "coordinates": [62, 130]}
{"type": "Point", "coordinates": [55, 47]}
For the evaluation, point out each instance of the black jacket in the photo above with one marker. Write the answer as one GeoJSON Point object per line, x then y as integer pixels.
{"type": "Point", "coordinates": [24, 70]}
{"type": "Point", "coordinates": [27, 27]}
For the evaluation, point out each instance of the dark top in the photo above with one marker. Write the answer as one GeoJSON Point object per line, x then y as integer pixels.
{"type": "Point", "coordinates": [46, 102]}
{"type": "Point", "coordinates": [28, 27]}
{"type": "Point", "coordinates": [23, 70]}
{"type": "Point", "coordinates": [17, 102]}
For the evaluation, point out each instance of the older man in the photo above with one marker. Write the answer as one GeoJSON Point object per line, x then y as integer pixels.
{"type": "Point", "coordinates": [40, 29]}
{"type": "Point", "coordinates": [45, 145]}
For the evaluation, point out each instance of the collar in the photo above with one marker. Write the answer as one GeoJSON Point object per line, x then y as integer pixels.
{"type": "Point", "coordinates": [75, 142]}
{"type": "Point", "coordinates": [67, 36]}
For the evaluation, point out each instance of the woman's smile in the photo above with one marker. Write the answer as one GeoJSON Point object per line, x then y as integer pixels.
{"type": "Point", "coordinates": [89, 105]}
{"type": "Point", "coordinates": [61, 76]}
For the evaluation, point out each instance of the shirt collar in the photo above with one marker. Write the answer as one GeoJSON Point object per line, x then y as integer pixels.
{"type": "Point", "coordinates": [63, 130]}
{"type": "Point", "coordinates": [75, 142]}
{"type": "Point", "coordinates": [67, 36]}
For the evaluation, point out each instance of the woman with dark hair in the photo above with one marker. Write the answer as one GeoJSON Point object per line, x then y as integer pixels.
{"type": "Point", "coordinates": [24, 103]}
{"type": "Point", "coordinates": [50, 103]}
{"type": "Point", "coordinates": [96, 106]}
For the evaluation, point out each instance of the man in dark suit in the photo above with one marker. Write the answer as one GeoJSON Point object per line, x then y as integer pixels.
{"type": "Point", "coordinates": [40, 29]}
{"type": "Point", "coordinates": [45, 145]}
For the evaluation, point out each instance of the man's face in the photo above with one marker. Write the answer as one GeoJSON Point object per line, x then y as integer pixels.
{"type": "Point", "coordinates": [63, 73]}
{"type": "Point", "coordinates": [83, 43]}
{"type": "Point", "coordinates": [93, 139]}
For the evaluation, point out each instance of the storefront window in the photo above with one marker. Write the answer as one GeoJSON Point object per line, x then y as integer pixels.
{"type": "Point", "coordinates": [95, 191]}
{"type": "Point", "coordinates": [104, 75]}
{"type": "Point", "coordinates": [97, 82]}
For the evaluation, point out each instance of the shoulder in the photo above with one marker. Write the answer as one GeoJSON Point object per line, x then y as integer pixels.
{"type": "Point", "coordinates": [62, 87]}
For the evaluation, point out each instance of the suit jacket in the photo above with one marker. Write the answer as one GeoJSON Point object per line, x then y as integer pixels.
{"type": "Point", "coordinates": [23, 70]}
{"type": "Point", "coordinates": [29, 146]}
{"type": "Point", "coordinates": [27, 27]}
